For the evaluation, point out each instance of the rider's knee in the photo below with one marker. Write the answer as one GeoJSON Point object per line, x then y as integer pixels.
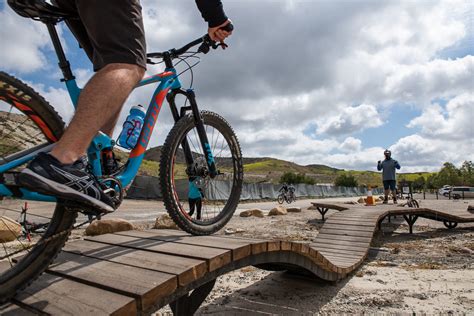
{"type": "Point", "coordinates": [127, 70]}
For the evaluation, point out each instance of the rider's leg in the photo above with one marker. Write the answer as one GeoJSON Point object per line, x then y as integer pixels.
{"type": "Point", "coordinates": [99, 104]}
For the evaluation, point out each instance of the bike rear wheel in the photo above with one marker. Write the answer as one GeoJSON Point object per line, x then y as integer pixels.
{"type": "Point", "coordinates": [221, 194]}
{"type": "Point", "coordinates": [27, 123]}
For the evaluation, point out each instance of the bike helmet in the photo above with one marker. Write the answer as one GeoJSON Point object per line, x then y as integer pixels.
{"type": "Point", "coordinates": [387, 153]}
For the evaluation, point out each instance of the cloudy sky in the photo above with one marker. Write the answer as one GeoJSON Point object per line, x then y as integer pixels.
{"type": "Point", "coordinates": [327, 82]}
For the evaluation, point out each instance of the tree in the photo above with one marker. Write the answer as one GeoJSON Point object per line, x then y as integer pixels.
{"type": "Point", "coordinates": [293, 178]}
{"type": "Point", "coordinates": [449, 174]}
{"type": "Point", "coordinates": [467, 173]}
{"type": "Point", "coordinates": [344, 180]}
{"type": "Point", "coordinates": [419, 183]}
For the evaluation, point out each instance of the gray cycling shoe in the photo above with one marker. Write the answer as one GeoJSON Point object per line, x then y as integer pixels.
{"type": "Point", "coordinates": [46, 175]}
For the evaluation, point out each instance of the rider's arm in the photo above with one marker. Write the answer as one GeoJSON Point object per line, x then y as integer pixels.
{"type": "Point", "coordinates": [379, 165]}
{"type": "Point", "coordinates": [397, 165]}
{"type": "Point", "coordinates": [212, 11]}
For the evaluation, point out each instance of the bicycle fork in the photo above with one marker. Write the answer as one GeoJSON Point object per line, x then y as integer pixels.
{"type": "Point", "coordinates": [206, 148]}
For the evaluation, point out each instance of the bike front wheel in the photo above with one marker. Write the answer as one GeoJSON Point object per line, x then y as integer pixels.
{"type": "Point", "coordinates": [183, 183]}
{"type": "Point", "coordinates": [281, 199]}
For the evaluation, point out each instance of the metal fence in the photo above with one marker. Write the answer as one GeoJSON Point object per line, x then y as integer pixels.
{"type": "Point", "coordinates": [145, 187]}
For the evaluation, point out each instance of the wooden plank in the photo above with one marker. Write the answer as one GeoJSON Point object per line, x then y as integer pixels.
{"type": "Point", "coordinates": [214, 257]}
{"type": "Point", "coordinates": [346, 233]}
{"type": "Point", "coordinates": [361, 240]}
{"type": "Point", "coordinates": [240, 248]}
{"type": "Point", "coordinates": [342, 248]}
{"type": "Point", "coordinates": [186, 269]}
{"type": "Point", "coordinates": [353, 227]}
{"type": "Point", "coordinates": [329, 242]}
{"type": "Point", "coordinates": [147, 286]}
{"type": "Point", "coordinates": [274, 245]}
{"type": "Point", "coordinates": [14, 310]}
{"type": "Point", "coordinates": [341, 221]}
{"type": "Point", "coordinates": [330, 206]}
{"type": "Point", "coordinates": [57, 296]}
{"type": "Point", "coordinates": [341, 253]}
{"type": "Point", "coordinates": [341, 261]}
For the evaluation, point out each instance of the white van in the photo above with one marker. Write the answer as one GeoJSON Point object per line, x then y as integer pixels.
{"type": "Point", "coordinates": [462, 192]}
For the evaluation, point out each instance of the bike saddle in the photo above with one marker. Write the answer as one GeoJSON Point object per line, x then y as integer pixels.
{"type": "Point", "coordinates": [39, 10]}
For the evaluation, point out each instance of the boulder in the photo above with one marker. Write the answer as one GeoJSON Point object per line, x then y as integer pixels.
{"type": "Point", "coordinates": [312, 208]}
{"type": "Point", "coordinates": [361, 200]}
{"type": "Point", "coordinates": [107, 226]}
{"type": "Point", "coordinates": [279, 210]}
{"type": "Point", "coordinates": [351, 202]}
{"type": "Point", "coordinates": [470, 208]}
{"type": "Point", "coordinates": [293, 209]}
{"type": "Point", "coordinates": [164, 221]}
{"type": "Point", "coordinates": [9, 229]}
{"type": "Point", "coordinates": [252, 212]}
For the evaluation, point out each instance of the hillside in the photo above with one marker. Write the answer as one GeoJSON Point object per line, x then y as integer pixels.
{"type": "Point", "coordinates": [266, 169]}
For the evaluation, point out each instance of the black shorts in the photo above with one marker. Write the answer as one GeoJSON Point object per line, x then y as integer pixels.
{"type": "Point", "coordinates": [110, 31]}
{"type": "Point", "coordinates": [389, 184]}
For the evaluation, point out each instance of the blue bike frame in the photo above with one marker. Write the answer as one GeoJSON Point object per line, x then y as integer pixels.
{"type": "Point", "coordinates": [167, 80]}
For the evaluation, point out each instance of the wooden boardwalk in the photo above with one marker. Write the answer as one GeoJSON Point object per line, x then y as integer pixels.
{"type": "Point", "coordinates": [137, 272]}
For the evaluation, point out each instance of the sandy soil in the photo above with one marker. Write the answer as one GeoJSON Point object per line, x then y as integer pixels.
{"type": "Point", "coordinates": [429, 272]}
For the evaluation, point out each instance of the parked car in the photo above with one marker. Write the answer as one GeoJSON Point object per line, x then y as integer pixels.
{"type": "Point", "coordinates": [444, 190]}
{"type": "Point", "coordinates": [462, 192]}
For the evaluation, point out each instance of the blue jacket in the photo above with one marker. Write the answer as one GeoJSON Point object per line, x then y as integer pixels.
{"type": "Point", "coordinates": [388, 166]}
{"type": "Point", "coordinates": [194, 192]}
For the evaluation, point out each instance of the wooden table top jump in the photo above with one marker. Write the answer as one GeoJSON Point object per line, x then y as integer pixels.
{"type": "Point", "coordinates": [137, 272]}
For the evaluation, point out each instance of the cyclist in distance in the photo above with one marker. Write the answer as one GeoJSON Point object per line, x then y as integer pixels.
{"type": "Point", "coordinates": [112, 34]}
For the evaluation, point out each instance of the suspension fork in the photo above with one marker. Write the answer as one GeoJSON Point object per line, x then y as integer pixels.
{"type": "Point", "coordinates": [189, 94]}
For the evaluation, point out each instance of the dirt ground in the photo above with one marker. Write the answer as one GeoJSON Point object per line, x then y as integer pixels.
{"type": "Point", "coordinates": [429, 272]}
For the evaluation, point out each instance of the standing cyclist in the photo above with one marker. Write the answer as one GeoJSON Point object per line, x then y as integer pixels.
{"type": "Point", "coordinates": [388, 175]}
{"type": "Point", "coordinates": [112, 34]}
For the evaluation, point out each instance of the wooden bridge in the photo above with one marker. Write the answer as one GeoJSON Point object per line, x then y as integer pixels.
{"type": "Point", "coordinates": [137, 272]}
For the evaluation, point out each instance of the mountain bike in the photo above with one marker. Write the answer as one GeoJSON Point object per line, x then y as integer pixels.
{"type": "Point", "coordinates": [201, 145]}
{"type": "Point", "coordinates": [289, 197]}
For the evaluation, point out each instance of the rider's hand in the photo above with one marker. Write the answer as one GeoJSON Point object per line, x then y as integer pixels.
{"type": "Point", "coordinates": [218, 35]}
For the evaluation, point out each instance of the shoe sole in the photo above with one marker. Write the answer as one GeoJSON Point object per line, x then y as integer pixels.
{"type": "Point", "coordinates": [33, 181]}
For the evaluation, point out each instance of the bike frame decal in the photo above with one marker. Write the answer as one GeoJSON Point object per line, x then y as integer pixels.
{"type": "Point", "coordinates": [38, 121]}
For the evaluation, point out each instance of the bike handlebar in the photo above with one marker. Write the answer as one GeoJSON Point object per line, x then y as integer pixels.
{"type": "Point", "coordinates": [205, 41]}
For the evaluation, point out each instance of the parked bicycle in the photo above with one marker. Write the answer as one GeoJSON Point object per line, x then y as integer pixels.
{"type": "Point", "coordinates": [201, 145]}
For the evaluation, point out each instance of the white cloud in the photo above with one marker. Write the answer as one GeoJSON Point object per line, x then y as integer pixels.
{"type": "Point", "coordinates": [351, 120]}
{"type": "Point", "coordinates": [22, 43]}
{"type": "Point", "coordinates": [350, 145]}
{"type": "Point", "coordinates": [336, 68]}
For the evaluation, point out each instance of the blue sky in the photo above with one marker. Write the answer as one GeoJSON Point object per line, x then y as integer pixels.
{"type": "Point", "coordinates": [370, 75]}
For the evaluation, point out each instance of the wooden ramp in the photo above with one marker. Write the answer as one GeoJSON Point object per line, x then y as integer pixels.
{"type": "Point", "coordinates": [137, 272]}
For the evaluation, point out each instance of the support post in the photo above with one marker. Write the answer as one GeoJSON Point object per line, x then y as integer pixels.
{"type": "Point", "coordinates": [189, 303]}
{"type": "Point", "coordinates": [322, 211]}
{"type": "Point", "coordinates": [411, 219]}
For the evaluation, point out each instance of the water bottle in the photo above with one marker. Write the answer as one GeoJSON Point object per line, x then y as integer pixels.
{"type": "Point", "coordinates": [132, 127]}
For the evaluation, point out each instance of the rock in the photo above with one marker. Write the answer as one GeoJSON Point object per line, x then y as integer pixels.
{"type": "Point", "coordinates": [312, 208]}
{"type": "Point", "coordinates": [293, 209]}
{"type": "Point", "coordinates": [9, 229]}
{"type": "Point", "coordinates": [165, 222]}
{"type": "Point", "coordinates": [107, 226]}
{"type": "Point", "coordinates": [252, 212]}
{"type": "Point", "coordinates": [279, 210]}
{"type": "Point", "coordinates": [470, 208]}
{"type": "Point", "coordinates": [351, 202]}
{"type": "Point", "coordinates": [229, 231]}
{"type": "Point", "coordinates": [361, 200]}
